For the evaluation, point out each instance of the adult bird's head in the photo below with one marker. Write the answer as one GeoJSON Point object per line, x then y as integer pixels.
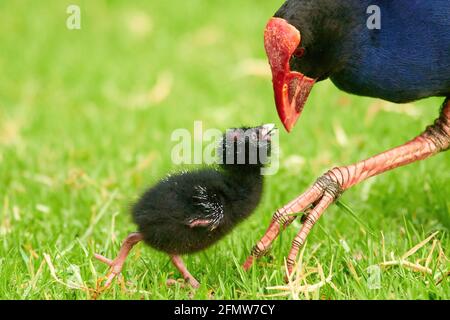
{"type": "Point", "coordinates": [302, 42]}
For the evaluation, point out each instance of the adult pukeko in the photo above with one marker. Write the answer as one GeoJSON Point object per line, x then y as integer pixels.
{"type": "Point", "coordinates": [405, 58]}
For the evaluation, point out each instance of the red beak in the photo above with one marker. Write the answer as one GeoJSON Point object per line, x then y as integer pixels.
{"type": "Point", "coordinates": [291, 88]}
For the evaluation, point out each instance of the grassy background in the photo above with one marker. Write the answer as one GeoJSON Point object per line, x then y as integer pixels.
{"type": "Point", "coordinates": [85, 124]}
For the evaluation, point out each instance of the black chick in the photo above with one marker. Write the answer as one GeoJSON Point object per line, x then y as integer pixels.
{"type": "Point", "coordinates": [188, 212]}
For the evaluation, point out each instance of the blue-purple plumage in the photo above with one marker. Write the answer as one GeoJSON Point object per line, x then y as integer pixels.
{"type": "Point", "coordinates": [407, 59]}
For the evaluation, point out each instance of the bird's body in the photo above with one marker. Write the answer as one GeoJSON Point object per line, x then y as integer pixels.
{"type": "Point", "coordinates": [396, 50]}
{"type": "Point", "coordinates": [165, 213]}
{"type": "Point", "coordinates": [406, 59]}
{"type": "Point", "coordinates": [189, 211]}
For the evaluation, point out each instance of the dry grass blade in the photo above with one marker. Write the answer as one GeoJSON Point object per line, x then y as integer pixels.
{"type": "Point", "coordinates": [290, 276]}
{"type": "Point", "coordinates": [417, 267]}
{"type": "Point", "coordinates": [407, 264]}
{"type": "Point", "coordinates": [48, 260]}
{"type": "Point", "coordinates": [418, 246]}
{"type": "Point", "coordinates": [383, 246]}
{"type": "Point", "coordinates": [442, 255]}
{"type": "Point", "coordinates": [315, 248]}
{"type": "Point", "coordinates": [275, 295]}
{"type": "Point", "coordinates": [304, 288]}
{"type": "Point", "coordinates": [430, 255]}
{"type": "Point", "coordinates": [297, 282]}
{"type": "Point", "coordinates": [352, 270]}
{"type": "Point", "coordinates": [35, 279]}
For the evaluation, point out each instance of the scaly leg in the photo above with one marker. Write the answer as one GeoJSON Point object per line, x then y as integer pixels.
{"type": "Point", "coordinates": [117, 264]}
{"type": "Point", "coordinates": [179, 264]}
{"type": "Point", "coordinates": [329, 187]}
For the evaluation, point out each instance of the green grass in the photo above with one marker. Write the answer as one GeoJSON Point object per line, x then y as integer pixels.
{"type": "Point", "coordinates": [81, 138]}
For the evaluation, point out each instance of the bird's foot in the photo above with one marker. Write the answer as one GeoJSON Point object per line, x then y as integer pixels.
{"type": "Point", "coordinates": [328, 188]}
{"type": "Point", "coordinates": [114, 271]}
{"type": "Point", "coordinates": [313, 203]}
{"type": "Point", "coordinates": [192, 282]}
{"type": "Point", "coordinates": [116, 265]}
{"type": "Point", "coordinates": [179, 264]}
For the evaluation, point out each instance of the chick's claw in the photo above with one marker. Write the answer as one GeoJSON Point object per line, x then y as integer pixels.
{"type": "Point", "coordinates": [103, 259]}
{"type": "Point", "coordinates": [116, 265]}
{"type": "Point", "coordinates": [188, 277]}
{"type": "Point", "coordinates": [193, 283]}
{"type": "Point", "coordinates": [114, 271]}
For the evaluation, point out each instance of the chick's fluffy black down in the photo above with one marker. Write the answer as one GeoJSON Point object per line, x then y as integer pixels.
{"type": "Point", "coordinates": [164, 212]}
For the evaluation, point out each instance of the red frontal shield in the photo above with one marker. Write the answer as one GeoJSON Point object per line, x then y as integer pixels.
{"type": "Point", "coordinates": [291, 88]}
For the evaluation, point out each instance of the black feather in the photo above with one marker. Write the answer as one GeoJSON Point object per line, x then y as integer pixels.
{"type": "Point", "coordinates": [220, 197]}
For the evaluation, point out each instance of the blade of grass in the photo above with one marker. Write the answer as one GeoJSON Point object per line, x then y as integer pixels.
{"type": "Point", "coordinates": [349, 210]}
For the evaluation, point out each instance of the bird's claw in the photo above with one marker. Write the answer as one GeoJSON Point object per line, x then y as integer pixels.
{"type": "Point", "coordinates": [191, 281]}
{"type": "Point", "coordinates": [313, 202]}
{"type": "Point", "coordinates": [114, 270]}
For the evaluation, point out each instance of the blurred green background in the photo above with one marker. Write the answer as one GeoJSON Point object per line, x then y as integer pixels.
{"type": "Point", "coordinates": [85, 123]}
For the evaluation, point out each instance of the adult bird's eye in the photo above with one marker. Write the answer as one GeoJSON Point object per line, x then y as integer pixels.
{"type": "Point", "coordinates": [299, 52]}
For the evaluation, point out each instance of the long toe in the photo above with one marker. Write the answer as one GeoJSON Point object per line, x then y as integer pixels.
{"type": "Point", "coordinates": [103, 259]}
{"type": "Point", "coordinates": [193, 283]}
{"type": "Point", "coordinates": [313, 202]}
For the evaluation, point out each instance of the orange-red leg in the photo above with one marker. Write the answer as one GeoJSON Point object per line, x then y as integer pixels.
{"type": "Point", "coordinates": [328, 188]}
{"type": "Point", "coordinates": [179, 264]}
{"type": "Point", "coordinates": [116, 265]}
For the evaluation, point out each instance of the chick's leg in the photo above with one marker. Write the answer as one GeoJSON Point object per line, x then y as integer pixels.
{"type": "Point", "coordinates": [327, 188]}
{"type": "Point", "coordinates": [117, 264]}
{"type": "Point", "coordinates": [179, 264]}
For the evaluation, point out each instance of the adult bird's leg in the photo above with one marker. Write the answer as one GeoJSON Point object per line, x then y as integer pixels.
{"type": "Point", "coordinates": [179, 264]}
{"type": "Point", "coordinates": [117, 264]}
{"type": "Point", "coordinates": [328, 188]}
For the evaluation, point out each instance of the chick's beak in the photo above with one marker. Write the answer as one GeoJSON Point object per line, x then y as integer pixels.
{"type": "Point", "coordinates": [291, 88]}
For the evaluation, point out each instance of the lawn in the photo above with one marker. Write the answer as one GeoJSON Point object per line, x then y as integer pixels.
{"type": "Point", "coordinates": [86, 118]}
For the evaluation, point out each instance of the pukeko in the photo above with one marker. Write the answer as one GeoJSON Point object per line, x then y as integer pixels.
{"type": "Point", "coordinates": [405, 58]}
{"type": "Point", "coordinates": [187, 212]}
